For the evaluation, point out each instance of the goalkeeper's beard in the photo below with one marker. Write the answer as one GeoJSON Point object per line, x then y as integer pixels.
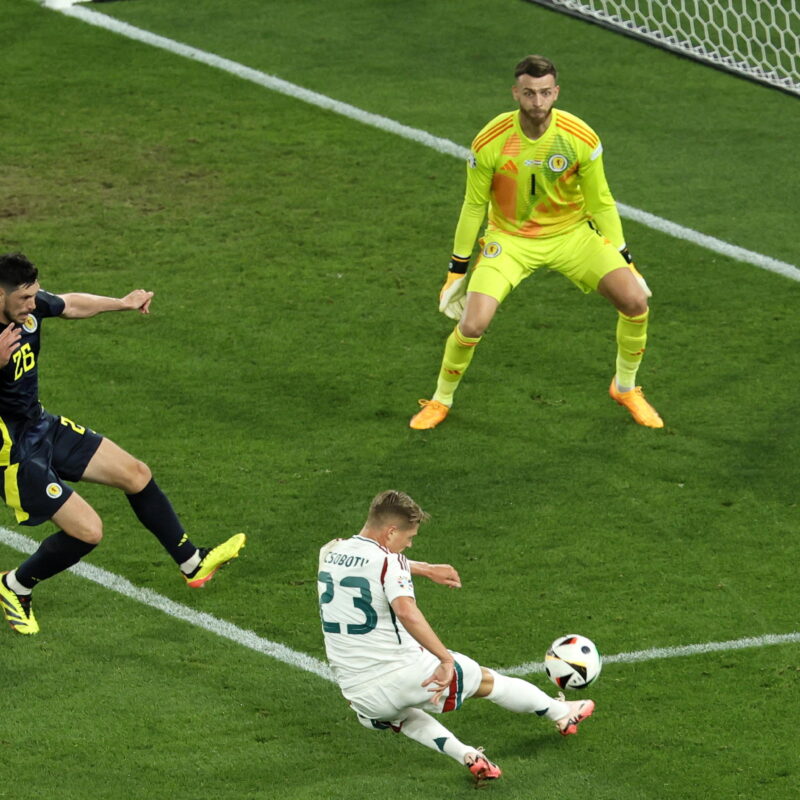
{"type": "Point", "coordinates": [536, 117]}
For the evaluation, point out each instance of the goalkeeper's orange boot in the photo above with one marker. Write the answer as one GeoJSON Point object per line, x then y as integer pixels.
{"type": "Point", "coordinates": [433, 412]}
{"type": "Point", "coordinates": [579, 710]}
{"type": "Point", "coordinates": [634, 401]}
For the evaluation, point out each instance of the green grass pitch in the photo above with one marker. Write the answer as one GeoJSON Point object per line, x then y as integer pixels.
{"type": "Point", "coordinates": [296, 256]}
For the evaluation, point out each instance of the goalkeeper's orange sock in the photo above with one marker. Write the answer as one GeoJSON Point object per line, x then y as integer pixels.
{"type": "Point", "coordinates": [631, 341]}
{"type": "Point", "coordinates": [458, 352]}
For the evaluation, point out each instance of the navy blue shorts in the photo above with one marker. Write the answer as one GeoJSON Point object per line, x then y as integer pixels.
{"type": "Point", "coordinates": [55, 450]}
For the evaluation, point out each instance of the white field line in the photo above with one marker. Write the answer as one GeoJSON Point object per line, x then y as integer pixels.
{"type": "Point", "coordinates": [294, 658]}
{"type": "Point", "coordinates": [199, 619]}
{"type": "Point", "coordinates": [658, 653]}
{"type": "Point", "coordinates": [390, 126]}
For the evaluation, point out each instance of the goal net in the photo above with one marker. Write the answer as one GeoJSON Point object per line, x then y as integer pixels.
{"type": "Point", "coordinates": [759, 39]}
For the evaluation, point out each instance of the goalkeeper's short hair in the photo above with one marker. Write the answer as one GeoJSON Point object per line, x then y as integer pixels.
{"type": "Point", "coordinates": [536, 67]}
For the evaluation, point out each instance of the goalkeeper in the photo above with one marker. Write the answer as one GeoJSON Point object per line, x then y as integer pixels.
{"type": "Point", "coordinates": [540, 172]}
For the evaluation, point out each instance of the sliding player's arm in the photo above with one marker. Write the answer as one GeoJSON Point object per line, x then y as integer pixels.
{"type": "Point", "coordinates": [78, 305]}
{"type": "Point", "coordinates": [413, 620]}
{"type": "Point", "coordinates": [438, 573]}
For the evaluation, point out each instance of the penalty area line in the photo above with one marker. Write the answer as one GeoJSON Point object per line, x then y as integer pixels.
{"type": "Point", "coordinates": [273, 83]}
{"type": "Point", "coordinates": [294, 658]}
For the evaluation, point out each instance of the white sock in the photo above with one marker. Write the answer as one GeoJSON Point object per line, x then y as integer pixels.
{"type": "Point", "coordinates": [525, 698]}
{"type": "Point", "coordinates": [423, 728]}
{"type": "Point", "coordinates": [191, 564]}
{"type": "Point", "coordinates": [15, 585]}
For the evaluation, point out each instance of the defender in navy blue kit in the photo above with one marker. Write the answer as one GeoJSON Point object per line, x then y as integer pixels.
{"type": "Point", "coordinates": [39, 451]}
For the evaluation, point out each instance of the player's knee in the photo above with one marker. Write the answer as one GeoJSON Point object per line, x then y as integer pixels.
{"type": "Point", "coordinates": [94, 531]}
{"type": "Point", "coordinates": [94, 536]}
{"type": "Point", "coordinates": [138, 475]}
{"type": "Point", "coordinates": [638, 303]}
{"type": "Point", "coordinates": [472, 328]}
{"type": "Point", "coordinates": [487, 682]}
{"type": "Point", "coordinates": [633, 305]}
{"type": "Point", "coordinates": [89, 530]}
{"type": "Point", "coordinates": [369, 724]}
{"type": "Point", "coordinates": [377, 725]}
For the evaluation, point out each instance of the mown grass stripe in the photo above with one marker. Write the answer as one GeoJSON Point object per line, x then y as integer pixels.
{"type": "Point", "coordinates": [391, 126]}
{"type": "Point", "coordinates": [280, 652]}
{"type": "Point", "coordinates": [200, 619]}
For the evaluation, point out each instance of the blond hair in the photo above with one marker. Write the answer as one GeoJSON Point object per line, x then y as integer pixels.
{"type": "Point", "coordinates": [394, 505]}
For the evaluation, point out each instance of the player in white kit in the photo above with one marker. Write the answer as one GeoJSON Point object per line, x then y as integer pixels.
{"type": "Point", "coordinates": [388, 661]}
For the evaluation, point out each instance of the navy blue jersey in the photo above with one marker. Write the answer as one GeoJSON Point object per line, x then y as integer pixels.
{"type": "Point", "coordinates": [19, 379]}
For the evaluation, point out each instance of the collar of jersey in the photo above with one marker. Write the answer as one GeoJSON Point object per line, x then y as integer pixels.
{"type": "Point", "coordinates": [371, 541]}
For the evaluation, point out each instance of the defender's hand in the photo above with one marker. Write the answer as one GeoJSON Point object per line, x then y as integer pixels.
{"type": "Point", "coordinates": [9, 342]}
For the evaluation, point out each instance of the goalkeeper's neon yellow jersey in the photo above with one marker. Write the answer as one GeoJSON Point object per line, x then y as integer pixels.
{"type": "Point", "coordinates": [536, 188]}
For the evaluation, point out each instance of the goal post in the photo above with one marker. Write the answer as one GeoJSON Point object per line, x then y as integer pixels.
{"type": "Point", "coordinates": [759, 39]}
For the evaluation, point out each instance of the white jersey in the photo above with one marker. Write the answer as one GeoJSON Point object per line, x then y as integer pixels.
{"type": "Point", "coordinates": [357, 581]}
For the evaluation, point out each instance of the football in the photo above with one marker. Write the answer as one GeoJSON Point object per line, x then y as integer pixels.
{"type": "Point", "coordinates": [572, 662]}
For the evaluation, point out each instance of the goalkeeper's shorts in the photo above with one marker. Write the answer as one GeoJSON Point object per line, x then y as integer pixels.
{"type": "Point", "coordinates": [582, 254]}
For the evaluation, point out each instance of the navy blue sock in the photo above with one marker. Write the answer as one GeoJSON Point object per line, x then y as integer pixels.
{"type": "Point", "coordinates": [156, 513]}
{"type": "Point", "coordinates": [55, 554]}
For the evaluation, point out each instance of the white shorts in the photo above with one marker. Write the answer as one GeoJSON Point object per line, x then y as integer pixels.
{"type": "Point", "coordinates": [385, 699]}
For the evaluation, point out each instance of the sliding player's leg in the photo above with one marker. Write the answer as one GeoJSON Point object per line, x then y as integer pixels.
{"type": "Point", "coordinates": [522, 697]}
{"type": "Point", "coordinates": [399, 701]}
{"type": "Point", "coordinates": [421, 727]}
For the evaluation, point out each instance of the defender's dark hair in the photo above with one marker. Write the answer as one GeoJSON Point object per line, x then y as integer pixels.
{"type": "Point", "coordinates": [536, 67]}
{"type": "Point", "coordinates": [15, 271]}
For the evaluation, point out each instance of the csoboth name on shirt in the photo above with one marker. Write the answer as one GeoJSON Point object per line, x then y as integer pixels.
{"type": "Point", "coordinates": [346, 560]}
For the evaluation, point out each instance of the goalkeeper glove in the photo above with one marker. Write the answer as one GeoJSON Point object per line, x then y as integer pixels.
{"type": "Point", "coordinates": [626, 254]}
{"type": "Point", "coordinates": [452, 296]}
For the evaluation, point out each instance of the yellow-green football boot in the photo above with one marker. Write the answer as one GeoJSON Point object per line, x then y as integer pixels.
{"type": "Point", "coordinates": [212, 560]}
{"type": "Point", "coordinates": [17, 609]}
